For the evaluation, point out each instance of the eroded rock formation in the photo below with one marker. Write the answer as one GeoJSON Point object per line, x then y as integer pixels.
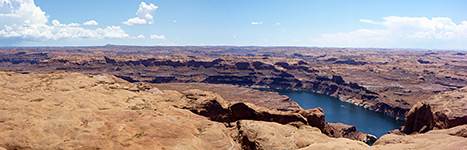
{"type": "Point", "coordinates": [449, 139]}
{"type": "Point", "coordinates": [75, 111]}
{"type": "Point", "coordinates": [441, 111]}
{"type": "Point", "coordinates": [216, 108]}
{"type": "Point", "coordinates": [383, 80]}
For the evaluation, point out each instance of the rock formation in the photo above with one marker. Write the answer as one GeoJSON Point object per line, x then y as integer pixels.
{"type": "Point", "coordinates": [270, 135]}
{"type": "Point", "coordinates": [216, 108]}
{"type": "Point", "coordinates": [232, 93]}
{"type": "Point", "coordinates": [419, 119]}
{"type": "Point", "coordinates": [441, 111]}
{"type": "Point", "coordinates": [448, 139]}
{"type": "Point", "coordinates": [74, 111]}
{"type": "Point", "coordinates": [386, 81]}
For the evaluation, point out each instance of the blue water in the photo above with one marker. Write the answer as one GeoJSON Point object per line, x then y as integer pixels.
{"type": "Point", "coordinates": [335, 111]}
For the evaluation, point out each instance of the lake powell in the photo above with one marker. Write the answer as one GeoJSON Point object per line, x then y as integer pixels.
{"type": "Point", "coordinates": [366, 121]}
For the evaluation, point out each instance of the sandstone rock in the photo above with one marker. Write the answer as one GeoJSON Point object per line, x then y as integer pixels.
{"type": "Point", "coordinates": [419, 119]}
{"type": "Point", "coordinates": [214, 107]}
{"type": "Point", "coordinates": [232, 93]}
{"type": "Point", "coordinates": [75, 111]}
{"type": "Point", "coordinates": [447, 139]}
{"type": "Point", "coordinates": [348, 131]}
{"type": "Point", "coordinates": [249, 111]}
{"type": "Point", "coordinates": [207, 104]}
{"type": "Point", "coordinates": [442, 111]}
{"type": "Point", "coordinates": [270, 135]}
{"type": "Point", "coordinates": [383, 76]}
{"type": "Point", "coordinates": [315, 117]}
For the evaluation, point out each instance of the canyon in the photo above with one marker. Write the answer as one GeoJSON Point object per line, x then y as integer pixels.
{"type": "Point", "coordinates": [207, 90]}
{"type": "Point", "coordinates": [388, 81]}
{"type": "Point", "coordinates": [65, 110]}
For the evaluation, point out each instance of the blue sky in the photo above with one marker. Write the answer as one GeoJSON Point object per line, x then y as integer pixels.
{"type": "Point", "coordinates": [390, 24]}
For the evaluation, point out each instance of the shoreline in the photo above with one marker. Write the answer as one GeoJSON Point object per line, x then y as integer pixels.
{"type": "Point", "coordinates": [358, 103]}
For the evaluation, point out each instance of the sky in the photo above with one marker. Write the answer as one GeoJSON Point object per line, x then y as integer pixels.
{"type": "Point", "coordinates": [421, 24]}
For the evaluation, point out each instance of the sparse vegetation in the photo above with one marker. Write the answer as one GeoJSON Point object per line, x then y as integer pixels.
{"type": "Point", "coordinates": [37, 100]}
{"type": "Point", "coordinates": [139, 112]}
{"type": "Point", "coordinates": [138, 135]}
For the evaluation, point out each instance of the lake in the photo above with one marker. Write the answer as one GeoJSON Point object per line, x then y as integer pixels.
{"type": "Point", "coordinates": [366, 121]}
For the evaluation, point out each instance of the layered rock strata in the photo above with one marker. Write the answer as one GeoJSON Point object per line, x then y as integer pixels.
{"type": "Point", "coordinates": [74, 111]}
{"type": "Point", "coordinates": [400, 78]}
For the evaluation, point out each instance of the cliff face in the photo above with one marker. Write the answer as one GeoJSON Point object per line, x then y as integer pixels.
{"type": "Point", "coordinates": [75, 111]}
{"type": "Point", "coordinates": [442, 111]}
{"type": "Point", "coordinates": [386, 81]}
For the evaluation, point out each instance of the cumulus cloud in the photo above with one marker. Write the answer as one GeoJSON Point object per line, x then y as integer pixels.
{"type": "Point", "coordinates": [412, 32]}
{"type": "Point", "coordinates": [91, 23]}
{"type": "Point", "coordinates": [140, 37]}
{"type": "Point", "coordinates": [145, 15]}
{"type": "Point", "coordinates": [160, 37]}
{"type": "Point", "coordinates": [256, 23]}
{"type": "Point", "coordinates": [22, 19]}
{"type": "Point", "coordinates": [20, 11]}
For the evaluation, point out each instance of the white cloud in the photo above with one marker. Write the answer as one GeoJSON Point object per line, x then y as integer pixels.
{"type": "Point", "coordinates": [160, 37]}
{"type": "Point", "coordinates": [175, 21]}
{"type": "Point", "coordinates": [256, 23]}
{"type": "Point", "coordinates": [20, 11]}
{"type": "Point", "coordinates": [411, 32]}
{"type": "Point", "coordinates": [91, 23]}
{"type": "Point", "coordinates": [138, 37]}
{"type": "Point", "coordinates": [145, 15]}
{"type": "Point", "coordinates": [22, 19]}
{"type": "Point", "coordinates": [277, 24]}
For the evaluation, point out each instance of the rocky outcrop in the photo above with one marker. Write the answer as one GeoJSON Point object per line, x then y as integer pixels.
{"type": "Point", "coordinates": [269, 135]}
{"type": "Point", "coordinates": [448, 139]}
{"type": "Point", "coordinates": [441, 111]}
{"type": "Point", "coordinates": [348, 131]}
{"type": "Point", "coordinates": [216, 108]}
{"type": "Point", "coordinates": [232, 93]}
{"type": "Point", "coordinates": [242, 111]}
{"type": "Point", "coordinates": [315, 117]}
{"type": "Point", "coordinates": [395, 112]}
{"type": "Point", "coordinates": [419, 119]}
{"type": "Point", "coordinates": [208, 104]}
